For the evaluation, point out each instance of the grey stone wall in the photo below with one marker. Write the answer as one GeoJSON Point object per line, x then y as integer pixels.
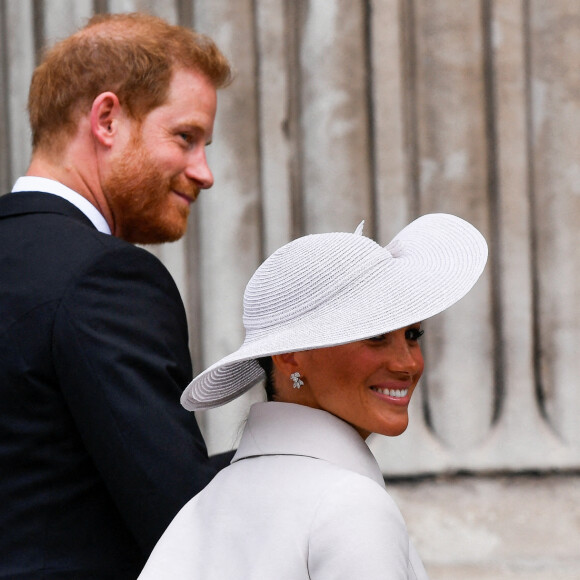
{"type": "Point", "coordinates": [525, 527]}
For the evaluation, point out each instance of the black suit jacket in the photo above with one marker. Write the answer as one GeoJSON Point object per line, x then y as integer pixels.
{"type": "Point", "coordinates": [96, 453]}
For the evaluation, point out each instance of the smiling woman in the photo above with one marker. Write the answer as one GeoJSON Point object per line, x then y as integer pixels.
{"type": "Point", "coordinates": [367, 383]}
{"type": "Point", "coordinates": [333, 323]}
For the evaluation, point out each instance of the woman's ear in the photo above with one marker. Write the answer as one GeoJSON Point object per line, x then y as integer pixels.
{"type": "Point", "coordinates": [285, 363]}
{"type": "Point", "coordinates": [104, 117]}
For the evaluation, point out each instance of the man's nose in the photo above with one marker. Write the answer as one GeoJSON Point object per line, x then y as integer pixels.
{"type": "Point", "coordinates": [198, 170]}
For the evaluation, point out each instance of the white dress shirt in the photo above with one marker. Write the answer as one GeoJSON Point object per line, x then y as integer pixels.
{"type": "Point", "coordinates": [31, 183]}
{"type": "Point", "coordinates": [304, 498]}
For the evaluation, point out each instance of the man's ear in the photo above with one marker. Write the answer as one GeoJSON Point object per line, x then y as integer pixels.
{"type": "Point", "coordinates": [286, 363]}
{"type": "Point", "coordinates": [105, 113]}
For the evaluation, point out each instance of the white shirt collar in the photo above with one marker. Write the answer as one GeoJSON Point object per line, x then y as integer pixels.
{"type": "Point", "coordinates": [287, 429]}
{"type": "Point", "coordinates": [32, 183]}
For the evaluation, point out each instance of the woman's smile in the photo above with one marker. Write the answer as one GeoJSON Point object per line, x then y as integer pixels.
{"type": "Point", "coordinates": [400, 394]}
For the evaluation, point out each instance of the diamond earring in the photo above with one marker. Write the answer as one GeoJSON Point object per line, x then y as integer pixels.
{"type": "Point", "coordinates": [296, 382]}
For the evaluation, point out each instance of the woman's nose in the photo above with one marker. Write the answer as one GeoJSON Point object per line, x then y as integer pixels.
{"type": "Point", "coordinates": [405, 356]}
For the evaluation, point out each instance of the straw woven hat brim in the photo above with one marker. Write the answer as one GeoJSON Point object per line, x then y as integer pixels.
{"type": "Point", "coordinates": [329, 289]}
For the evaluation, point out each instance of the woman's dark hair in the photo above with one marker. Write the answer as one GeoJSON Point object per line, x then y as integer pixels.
{"type": "Point", "coordinates": [268, 367]}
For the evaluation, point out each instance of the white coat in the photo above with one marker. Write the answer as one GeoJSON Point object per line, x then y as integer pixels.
{"type": "Point", "coordinates": [303, 499]}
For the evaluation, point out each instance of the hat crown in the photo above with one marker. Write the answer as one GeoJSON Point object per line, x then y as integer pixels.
{"type": "Point", "coordinates": [304, 275]}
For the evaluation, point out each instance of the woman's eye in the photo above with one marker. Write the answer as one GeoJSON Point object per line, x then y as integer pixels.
{"type": "Point", "coordinates": [414, 334]}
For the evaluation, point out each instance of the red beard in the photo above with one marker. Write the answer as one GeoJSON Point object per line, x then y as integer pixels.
{"type": "Point", "coordinates": [145, 209]}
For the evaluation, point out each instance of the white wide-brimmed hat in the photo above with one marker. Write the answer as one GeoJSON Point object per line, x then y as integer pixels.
{"type": "Point", "coordinates": [329, 289]}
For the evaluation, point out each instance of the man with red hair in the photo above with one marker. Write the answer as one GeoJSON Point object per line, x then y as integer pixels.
{"type": "Point", "coordinates": [96, 453]}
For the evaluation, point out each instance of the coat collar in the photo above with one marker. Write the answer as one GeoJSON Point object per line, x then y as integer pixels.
{"type": "Point", "coordinates": [289, 429]}
{"type": "Point", "coordinates": [35, 202]}
{"type": "Point", "coordinates": [34, 183]}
